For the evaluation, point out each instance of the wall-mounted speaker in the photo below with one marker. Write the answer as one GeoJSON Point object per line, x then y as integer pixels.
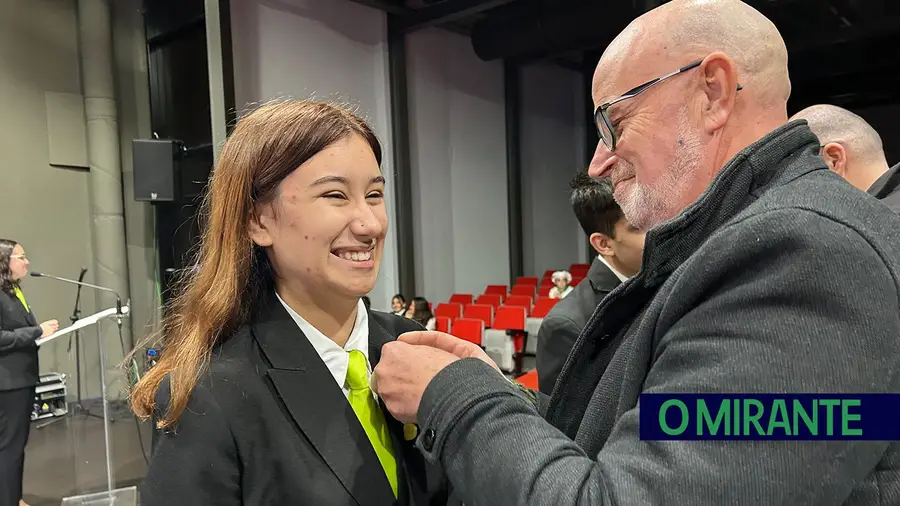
{"type": "Point", "coordinates": [156, 169]}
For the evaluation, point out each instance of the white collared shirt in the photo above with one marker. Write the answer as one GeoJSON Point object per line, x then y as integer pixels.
{"type": "Point", "coordinates": [337, 359]}
{"type": "Point", "coordinates": [623, 278]}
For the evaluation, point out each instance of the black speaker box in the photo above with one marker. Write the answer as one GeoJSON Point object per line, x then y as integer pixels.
{"type": "Point", "coordinates": [156, 169]}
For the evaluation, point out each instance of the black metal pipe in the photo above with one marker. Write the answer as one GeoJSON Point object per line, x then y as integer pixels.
{"type": "Point", "coordinates": [513, 101]}
{"type": "Point", "coordinates": [399, 94]}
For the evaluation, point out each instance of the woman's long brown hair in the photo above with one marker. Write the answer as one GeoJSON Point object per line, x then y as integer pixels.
{"type": "Point", "coordinates": [233, 275]}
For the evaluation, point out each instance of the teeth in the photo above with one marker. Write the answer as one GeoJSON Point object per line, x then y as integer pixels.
{"type": "Point", "coordinates": [356, 256]}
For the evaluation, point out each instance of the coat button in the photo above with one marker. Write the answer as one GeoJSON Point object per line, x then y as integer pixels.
{"type": "Point", "coordinates": [428, 441]}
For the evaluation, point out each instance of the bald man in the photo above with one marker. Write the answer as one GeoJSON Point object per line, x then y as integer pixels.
{"type": "Point", "coordinates": [853, 149]}
{"type": "Point", "coordinates": [763, 271]}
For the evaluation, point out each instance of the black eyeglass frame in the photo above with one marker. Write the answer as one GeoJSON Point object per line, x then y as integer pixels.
{"type": "Point", "coordinates": [601, 117]}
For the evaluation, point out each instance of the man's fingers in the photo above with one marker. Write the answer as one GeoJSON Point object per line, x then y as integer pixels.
{"type": "Point", "coordinates": [432, 339]}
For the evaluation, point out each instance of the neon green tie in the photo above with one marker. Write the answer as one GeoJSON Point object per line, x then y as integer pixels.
{"type": "Point", "coordinates": [370, 415]}
{"type": "Point", "coordinates": [21, 297]}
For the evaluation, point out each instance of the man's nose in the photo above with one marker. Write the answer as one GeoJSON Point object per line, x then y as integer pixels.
{"type": "Point", "coordinates": [602, 161]}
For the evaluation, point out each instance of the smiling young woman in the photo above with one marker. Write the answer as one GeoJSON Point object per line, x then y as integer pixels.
{"type": "Point", "coordinates": [262, 386]}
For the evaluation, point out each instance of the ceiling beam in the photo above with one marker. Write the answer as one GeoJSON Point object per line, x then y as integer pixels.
{"type": "Point", "coordinates": [447, 12]}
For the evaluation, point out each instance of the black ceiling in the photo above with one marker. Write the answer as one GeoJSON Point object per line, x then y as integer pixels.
{"type": "Point", "coordinates": [841, 51]}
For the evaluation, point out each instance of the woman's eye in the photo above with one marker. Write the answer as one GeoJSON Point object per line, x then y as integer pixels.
{"type": "Point", "coordinates": [375, 195]}
{"type": "Point", "coordinates": [334, 196]}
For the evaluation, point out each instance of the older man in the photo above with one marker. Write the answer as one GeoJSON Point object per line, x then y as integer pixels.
{"type": "Point", "coordinates": [853, 149]}
{"type": "Point", "coordinates": [763, 272]}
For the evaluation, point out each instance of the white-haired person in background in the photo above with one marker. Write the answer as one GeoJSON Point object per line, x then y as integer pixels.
{"type": "Point", "coordinates": [562, 280]}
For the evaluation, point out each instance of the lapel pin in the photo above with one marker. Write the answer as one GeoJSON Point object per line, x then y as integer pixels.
{"type": "Point", "coordinates": [410, 431]}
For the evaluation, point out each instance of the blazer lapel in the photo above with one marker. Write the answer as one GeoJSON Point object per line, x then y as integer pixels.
{"type": "Point", "coordinates": [378, 336]}
{"type": "Point", "coordinates": [318, 406]}
{"type": "Point", "coordinates": [601, 277]}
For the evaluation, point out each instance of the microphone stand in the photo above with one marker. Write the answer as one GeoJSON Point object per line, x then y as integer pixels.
{"type": "Point", "coordinates": [76, 315]}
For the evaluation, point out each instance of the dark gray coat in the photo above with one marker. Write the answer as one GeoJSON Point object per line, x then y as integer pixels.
{"type": "Point", "coordinates": [780, 278]}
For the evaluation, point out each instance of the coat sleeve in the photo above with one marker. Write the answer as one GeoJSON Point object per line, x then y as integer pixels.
{"type": "Point", "coordinates": [197, 462]}
{"type": "Point", "coordinates": [788, 302]}
{"type": "Point", "coordinates": [22, 337]}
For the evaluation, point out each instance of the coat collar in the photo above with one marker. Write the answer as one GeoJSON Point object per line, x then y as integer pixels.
{"type": "Point", "coordinates": [318, 406]}
{"type": "Point", "coordinates": [602, 279]}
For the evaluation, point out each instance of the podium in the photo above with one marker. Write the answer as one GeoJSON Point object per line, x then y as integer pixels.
{"type": "Point", "coordinates": [111, 496]}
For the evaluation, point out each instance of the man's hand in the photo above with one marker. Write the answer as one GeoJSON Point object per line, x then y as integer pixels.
{"type": "Point", "coordinates": [450, 344]}
{"type": "Point", "coordinates": [403, 374]}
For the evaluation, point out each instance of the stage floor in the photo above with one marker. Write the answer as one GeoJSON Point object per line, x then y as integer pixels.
{"type": "Point", "coordinates": [53, 472]}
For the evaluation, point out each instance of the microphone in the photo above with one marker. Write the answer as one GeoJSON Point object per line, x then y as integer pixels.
{"type": "Point", "coordinates": [82, 283]}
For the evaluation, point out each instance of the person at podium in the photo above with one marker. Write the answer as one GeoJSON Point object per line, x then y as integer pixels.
{"type": "Point", "coordinates": [18, 369]}
{"type": "Point", "coordinates": [262, 389]}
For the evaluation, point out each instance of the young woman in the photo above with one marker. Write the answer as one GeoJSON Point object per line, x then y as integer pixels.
{"type": "Point", "coordinates": [419, 311]}
{"type": "Point", "coordinates": [18, 369]}
{"type": "Point", "coordinates": [398, 305]}
{"type": "Point", "coordinates": [262, 385]}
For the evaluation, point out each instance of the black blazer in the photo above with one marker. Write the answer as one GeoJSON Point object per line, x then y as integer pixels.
{"type": "Point", "coordinates": [268, 425]}
{"type": "Point", "coordinates": [564, 323]}
{"type": "Point", "coordinates": [18, 352]}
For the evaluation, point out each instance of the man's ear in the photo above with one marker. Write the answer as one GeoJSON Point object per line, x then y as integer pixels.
{"type": "Point", "coordinates": [261, 221]}
{"type": "Point", "coordinates": [600, 243]}
{"type": "Point", "coordinates": [720, 85]}
{"type": "Point", "coordinates": [836, 157]}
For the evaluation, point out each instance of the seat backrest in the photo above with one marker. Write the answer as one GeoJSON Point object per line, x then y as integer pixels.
{"type": "Point", "coordinates": [442, 324]}
{"type": "Point", "coordinates": [544, 289]}
{"type": "Point", "coordinates": [520, 301]}
{"type": "Point", "coordinates": [468, 329]}
{"type": "Point", "coordinates": [451, 310]}
{"type": "Point", "coordinates": [496, 289]}
{"type": "Point", "coordinates": [491, 299]}
{"type": "Point", "coordinates": [529, 379]}
{"type": "Point", "coordinates": [526, 280]}
{"type": "Point", "coordinates": [483, 312]}
{"type": "Point", "coordinates": [579, 269]}
{"type": "Point", "coordinates": [523, 290]}
{"type": "Point", "coordinates": [542, 307]}
{"type": "Point", "coordinates": [461, 298]}
{"type": "Point", "coordinates": [510, 318]}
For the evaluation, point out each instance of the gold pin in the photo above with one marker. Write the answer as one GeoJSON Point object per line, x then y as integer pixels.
{"type": "Point", "coordinates": [410, 431]}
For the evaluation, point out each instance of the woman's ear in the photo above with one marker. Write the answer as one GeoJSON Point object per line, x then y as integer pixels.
{"type": "Point", "coordinates": [261, 221]}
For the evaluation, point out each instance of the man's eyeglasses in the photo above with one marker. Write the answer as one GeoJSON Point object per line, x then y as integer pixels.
{"type": "Point", "coordinates": [601, 117]}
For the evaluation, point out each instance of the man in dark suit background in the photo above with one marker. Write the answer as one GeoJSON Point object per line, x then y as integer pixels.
{"type": "Point", "coordinates": [619, 247]}
{"type": "Point", "coordinates": [853, 149]}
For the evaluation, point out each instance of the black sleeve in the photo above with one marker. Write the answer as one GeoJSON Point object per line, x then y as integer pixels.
{"type": "Point", "coordinates": [22, 337]}
{"type": "Point", "coordinates": [556, 338]}
{"type": "Point", "coordinates": [197, 462]}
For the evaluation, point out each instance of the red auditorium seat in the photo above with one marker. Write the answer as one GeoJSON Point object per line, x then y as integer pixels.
{"type": "Point", "coordinates": [451, 310]}
{"type": "Point", "coordinates": [544, 289]}
{"type": "Point", "coordinates": [496, 289]}
{"type": "Point", "coordinates": [526, 280]}
{"type": "Point", "coordinates": [483, 312]}
{"type": "Point", "coordinates": [509, 323]}
{"type": "Point", "coordinates": [461, 298]}
{"type": "Point", "coordinates": [579, 269]}
{"type": "Point", "coordinates": [520, 301]}
{"type": "Point", "coordinates": [442, 324]}
{"type": "Point", "coordinates": [529, 379]}
{"type": "Point", "coordinates": [576, 280]}
{"type": "Point", "coordinates": [491, 299]}
{"type": "Point", "coordinates": [542, 307]}
{"type": "Point", "coordinates": [468, 329]}
{"type": "Point", "coordinates": [523, 290]}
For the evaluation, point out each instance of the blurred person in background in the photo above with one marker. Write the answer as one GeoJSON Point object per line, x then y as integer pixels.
{"type": "Point", "coordinates": [854, 150]}
{"type": "Point", "coordinates": [420, 311]}
{"type": "Point", "coordinates": [19, 370]}
{"type": "Point", "coordinates": [562, 287]}
{"type": "Point", "coordinates": [619, 247]}
{"type": "Point", "coordinates": [262, 389]}
{"type": "Point", "coordinates": [398, 305]}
